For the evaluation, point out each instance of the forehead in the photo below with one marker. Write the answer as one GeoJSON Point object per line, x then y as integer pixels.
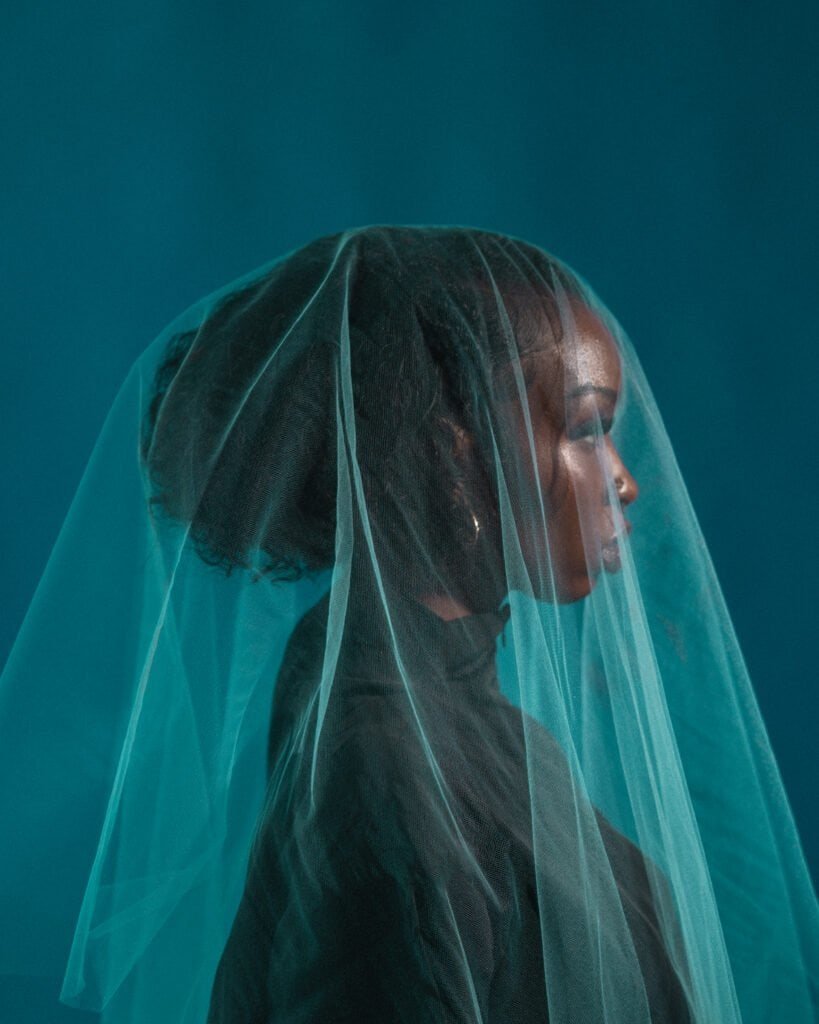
{"type": "Point", "coordinates": [589, 353]}
{"type": "Point", "coordinates": [586, 361]}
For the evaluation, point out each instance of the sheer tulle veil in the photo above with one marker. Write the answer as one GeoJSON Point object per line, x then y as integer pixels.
{"type": "Point", "coordinates": [380, 662]}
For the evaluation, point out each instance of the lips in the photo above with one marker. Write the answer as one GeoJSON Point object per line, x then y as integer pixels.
{"type": "Point", "coordinates": [610, 551]}
{"type": "Point", "coordinates": [613, 541]}
{"type": "Point", "coordinates": [610, 554]}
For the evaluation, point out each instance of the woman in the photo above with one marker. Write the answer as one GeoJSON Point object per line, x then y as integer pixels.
{"type": "Point", "coordinates": [514, 771]}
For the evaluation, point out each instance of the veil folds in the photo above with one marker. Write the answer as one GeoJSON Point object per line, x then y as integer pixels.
{"type": "Point", "coordinates": [380, 668]}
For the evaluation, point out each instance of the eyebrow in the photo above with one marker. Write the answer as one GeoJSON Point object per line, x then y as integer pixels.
{"type": "Point", "coordinates": [588, 389]}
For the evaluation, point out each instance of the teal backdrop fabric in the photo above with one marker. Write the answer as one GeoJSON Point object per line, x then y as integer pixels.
{"type": "Point", "coordinates": [667, 151]}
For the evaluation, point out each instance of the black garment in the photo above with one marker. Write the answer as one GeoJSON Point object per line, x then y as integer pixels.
{"type": "Point", "coordinates": [414, 913]}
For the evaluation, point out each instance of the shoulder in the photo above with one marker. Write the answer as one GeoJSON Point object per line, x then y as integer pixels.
{"type": "Point", "coordinates": [380, 792]}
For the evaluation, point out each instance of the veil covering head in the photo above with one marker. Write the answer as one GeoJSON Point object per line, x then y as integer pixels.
{"type": "Point", "coordinates": [380, 673]}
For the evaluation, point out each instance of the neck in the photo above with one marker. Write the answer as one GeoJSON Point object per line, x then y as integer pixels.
{"type": "Point", "coordinates": [445, 606]}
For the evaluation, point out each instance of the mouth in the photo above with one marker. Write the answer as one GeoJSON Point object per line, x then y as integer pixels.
{"type": "Point", "coordinates": [610, 551]}
{"type": "Point", "coordinates": [610, 554]}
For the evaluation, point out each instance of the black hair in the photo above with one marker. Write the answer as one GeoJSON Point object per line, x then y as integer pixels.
{"type": "Point", "coordinates": [241, 436]}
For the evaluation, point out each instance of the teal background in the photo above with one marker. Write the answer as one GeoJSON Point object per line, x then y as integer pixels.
{"type": "Point", "coordinates": [665, 149]}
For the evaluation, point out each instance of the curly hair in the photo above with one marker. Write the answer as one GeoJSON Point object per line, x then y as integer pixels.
{"type": "Point", "coordinates": [241, 439]}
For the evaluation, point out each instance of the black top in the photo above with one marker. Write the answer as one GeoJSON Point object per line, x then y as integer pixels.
{"type": "Point", "coordinates": [385, 888]}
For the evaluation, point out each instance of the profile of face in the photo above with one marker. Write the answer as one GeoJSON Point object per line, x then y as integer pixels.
{"type": "Point", "coordinates": [573, 467]}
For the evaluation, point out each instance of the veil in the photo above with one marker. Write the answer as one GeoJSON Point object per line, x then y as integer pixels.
{"type": "Point", "coordinates": [380, 673]}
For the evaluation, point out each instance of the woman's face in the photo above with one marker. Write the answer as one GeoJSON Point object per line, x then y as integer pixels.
{"type": "Point", "coordinates": [571, 460]}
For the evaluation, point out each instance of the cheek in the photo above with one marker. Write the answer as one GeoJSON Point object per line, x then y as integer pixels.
{"type": "Point", "coordinates": [549, 461]}
{"type": "Point", "coordinates": [583, 475]}
{"type": "Point", "coordinates": [577, 489]}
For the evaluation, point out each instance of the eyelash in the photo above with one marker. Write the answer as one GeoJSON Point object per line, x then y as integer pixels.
{"type": "Point", "coordinates": [588, 432]}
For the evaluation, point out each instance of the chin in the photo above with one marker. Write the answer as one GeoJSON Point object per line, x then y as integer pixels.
{"type": "Point", "coordinates": [569, 591]}
{"type": "Point", "coordinates": [563, 585]}
{"type": "Point", "coordinates": [577, 592]}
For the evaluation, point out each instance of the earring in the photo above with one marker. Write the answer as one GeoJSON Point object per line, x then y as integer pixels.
{"type": "Point", "coordinates": [474, 527]}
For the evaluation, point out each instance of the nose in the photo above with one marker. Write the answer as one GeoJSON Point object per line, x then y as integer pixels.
{"type": "Point", "coordinates": [624, 483]}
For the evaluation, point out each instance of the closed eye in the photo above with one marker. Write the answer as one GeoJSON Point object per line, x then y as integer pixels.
{"type": "Point", "coordinates": [590, 431]}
